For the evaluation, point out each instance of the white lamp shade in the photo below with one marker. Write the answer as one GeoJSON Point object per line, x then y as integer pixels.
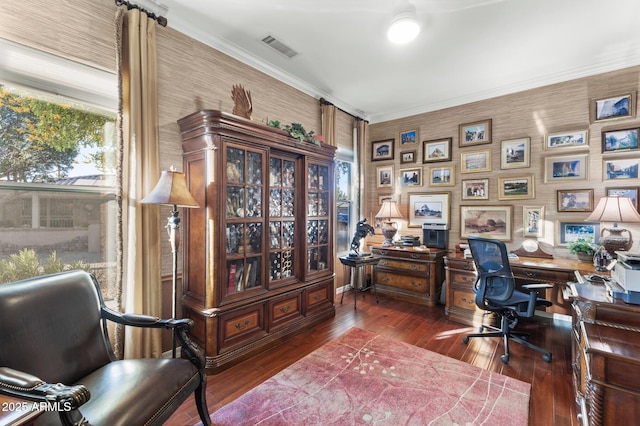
{"type": "Point", "coordinates": [389, 210]}
{"type": "Point", "coordinates": [614, 209]}
{"type": "Point", "coordinates": [171, 189]}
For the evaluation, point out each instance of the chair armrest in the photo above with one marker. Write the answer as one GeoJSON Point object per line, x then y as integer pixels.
{"type": "Point", "coordinates": [22, 385]}
{"type": "Point", "coordinates": [536, 286]}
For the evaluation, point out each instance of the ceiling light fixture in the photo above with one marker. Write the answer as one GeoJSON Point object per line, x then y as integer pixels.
{"type": "Point", "coordinates": [404, 25]}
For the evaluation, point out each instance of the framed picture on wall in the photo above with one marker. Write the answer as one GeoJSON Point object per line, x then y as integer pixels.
{"type": "Point", "coordinates": [408, 137]}
{"type": "Point", "coordinates": [442, 176]}
{"type": "Point", "coordinates": [476, 133]}
{"type": "Point", "coordinates": [533, 221]}
{"type": "Point", "coordinates": [384, 177]}
{"type": "Point", "coordinates": [382, 150]}
{"type": "Point", "coordinates": [436, 150]}
{"type": "Point", "coordinates": [566, 168]}
{"type": "Point", "coordinates": [514, 153]}
{"type": "Point", "coordinates": [572, 139]}
{"type": "Point", "coordinates": [475, 161]}
{"type": "Point", "coordinates": [516, 188]}
{"type": "Point", "coordinates": [613, 108]}
{"type": "Point", "coordinates": [575, 200]}
{"type": "Point", "coordinates": [571, 231]}
{"type": "Point", "coordinates": [621, 169]}
{"type": "Point", "coordinates": [631, 192]}
{"type": "Point", "coordinates": [411, 177]}
{"type": "Point", "coordinates": [620, 140]}
{"type": "Point", "coordinates": [475, 189]}
{"type": "Point", "coordinates": [429, 208]}
{"type": "Point", "coordinates": [407, 157]}
{"type": "Point", "coordinates": [486, 221]}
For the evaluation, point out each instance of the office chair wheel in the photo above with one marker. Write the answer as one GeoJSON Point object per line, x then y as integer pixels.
{"type": "Point", "coordinates": [547, 357]}
{"type": "Point", "coordinates": [465, 340]}
{"type": "Point", "coordinates": [504, 359]}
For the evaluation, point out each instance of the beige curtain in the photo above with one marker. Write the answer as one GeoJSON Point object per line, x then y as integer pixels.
{"type": "Point", "coordinates": [329, 123]}
{"type": "Point", "coordinates": [362, 136]}
{"type": "Point", "coordinates": [138, 171]}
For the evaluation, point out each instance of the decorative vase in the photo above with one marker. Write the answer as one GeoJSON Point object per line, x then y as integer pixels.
{"type": "Point", "coordinates": [584, 257]}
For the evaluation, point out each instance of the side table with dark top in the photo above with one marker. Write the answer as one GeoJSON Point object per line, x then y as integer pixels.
{"type": "Point", "coordinates": [357, 264]}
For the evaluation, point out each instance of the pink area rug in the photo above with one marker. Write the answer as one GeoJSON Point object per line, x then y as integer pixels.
{"type": "Point", "coordinates": [363, 378]}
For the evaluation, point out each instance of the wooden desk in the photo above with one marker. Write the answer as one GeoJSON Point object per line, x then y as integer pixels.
{"type": "Point", "coordinates": [606, 356]}
{"type": "Point", "coordinates": [16, 412]}
{"type": "Point", "coordinates": [460, 276]}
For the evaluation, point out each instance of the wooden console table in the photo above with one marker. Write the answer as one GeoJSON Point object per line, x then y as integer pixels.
{"type": "Point", "coordinates": [460, 277]}
{"type": "Point", "coordinates": [606, 356]}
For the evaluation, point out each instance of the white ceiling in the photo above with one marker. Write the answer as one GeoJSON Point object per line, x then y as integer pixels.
{"type": "Point", "coordinates": [468, 50]}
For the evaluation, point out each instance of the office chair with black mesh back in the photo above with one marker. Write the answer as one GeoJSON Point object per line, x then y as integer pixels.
{"type": "Point", "coordinates": [496, 292]}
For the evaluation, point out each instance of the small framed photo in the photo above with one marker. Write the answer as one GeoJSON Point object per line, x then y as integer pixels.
{"type": "Point", "coordinates": [571, 231]}
{"type": "Point", "coordinates": [436, 150]}
{"type": "Point", "coordinates": [429, 208]}
{"type": "Point", "coordinates": [631, 192]}
{"type": "Point", "coordinates": [566, 167]}
{"type": "Point", "coordinates": [514, 153]}
{"type": "Point", "coordinates": [533, 221]}
{"type": "Point", "coordinates": [486, 221]}
{"type": "Point", "coordinates": [475, 133]}
{"type": "Point", "coordinates": [613, 108]}
{"type": "Point", "coordinates": [623, 169]}
{"type": "Point", "coordinates": [575, 200]}
{"type": "Point", "coordinates": [442, 176]}
{"type": "Point", "coordinates": [516, 188]}
{"type": "Point", "coordinates": [411, 177]}
{"type": "Point", "coordinates": [384, 177]}
{"type": "Point", "coordinates": [573, 139]}
{"type": "Point", "coordinates": [382, 150]}
{"type": "Point", "coordinates": [475, 189]}
{"type": "Point", "coordinates": [407, 157]}
{"type": "Point", "coordinates": [620, 140]}
{"type": "Point", "coordinates": [408, 137]}
{"type": "Point", "coordinates": [475, 161]}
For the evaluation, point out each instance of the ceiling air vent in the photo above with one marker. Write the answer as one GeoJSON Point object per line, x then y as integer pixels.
{"type": "Point", "coordinates": [279, 46]}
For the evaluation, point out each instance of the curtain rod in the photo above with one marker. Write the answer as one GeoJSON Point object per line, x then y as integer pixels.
{"type": "Point", "coordinates": [323, 101]}
{"type": "Point", "coordinates": [161, 20]}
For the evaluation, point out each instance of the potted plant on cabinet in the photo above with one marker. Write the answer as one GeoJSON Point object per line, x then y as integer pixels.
{"type": "Point", "coordinates": [583, 248]}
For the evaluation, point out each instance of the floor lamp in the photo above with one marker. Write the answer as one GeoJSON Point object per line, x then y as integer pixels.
{"type": "Point", "coordinates": [172, 190]}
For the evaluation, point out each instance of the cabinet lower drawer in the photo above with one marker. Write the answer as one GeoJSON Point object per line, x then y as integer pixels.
{"type": "Point", "coordinates": [318, 296]}
{"type": "Point", "coordinates": [241, 325]}
{"type": "Point", "coordinates": [404, 265]}
{"type": "Point", "coordinates": [405, 282]}
{"type": "Point", "coordinates": [285, 309]}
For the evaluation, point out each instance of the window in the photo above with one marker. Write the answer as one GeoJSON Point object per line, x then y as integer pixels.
{"type": "Point", "coordinates": [344, 200]}
{"type": "Point", "coordinates": [57, 168]}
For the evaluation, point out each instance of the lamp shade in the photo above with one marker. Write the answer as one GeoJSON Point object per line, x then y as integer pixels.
{"type": "Point", "coordinates": [389, 210]}
{"type": "Point", "coordinates": [614, 209]}
{"type": "Point", "coordinates": [171, 189]}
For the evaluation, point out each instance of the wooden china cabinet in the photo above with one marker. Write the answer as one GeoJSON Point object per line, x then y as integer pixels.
{"type": "Point", "coordinates": [258, 253]}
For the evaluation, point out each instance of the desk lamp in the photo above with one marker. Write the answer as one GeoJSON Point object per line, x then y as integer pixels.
{"type": "Point", "coordinates": [388, 211]}
{"type": "Point", "coordinates": [172, 190]}
{"type": "Point", "coordinates": [615, 209]}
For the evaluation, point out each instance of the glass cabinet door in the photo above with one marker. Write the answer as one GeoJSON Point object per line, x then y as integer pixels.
{"type": "Point", "coordinates": [244, 192]}
{"type": "Point", "coordinates": [282, 224]}
{"type": "Point", "coordinates": [317, 217]}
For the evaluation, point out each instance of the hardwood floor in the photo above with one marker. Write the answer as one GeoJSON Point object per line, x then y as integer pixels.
{"type": "Point", "coordinates": [552, 401]}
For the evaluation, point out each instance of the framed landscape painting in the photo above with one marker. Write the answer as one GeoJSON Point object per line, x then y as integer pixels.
{"type": "Point", "coordinates": [475, 189]}
{"type": "Point", "coordinates": [407, 157]}
{"type": "Point", "coordinates": [408, 137]}
{"type": "Point", "coordinates": [631, 192]}
{"type": "Point", "coordinates": [620, 140]}
{"type": "Point", "coordinates": [442, 176]}
{"type": "Point", "coordinates": [428, 208]}
{"type": "Point", "coordinates": [516, 188]}
{"type": "Point", "coordinates": [384, 177]}
{"type": "Point", "coordinates": [382, 150]}
{"type": "Point", "coordinates": [436, 150]}
{"type": "Point", "coordinates": [571, 231]}
{"type": "Point", "coordinates": [613, 108]}
{"type": "Point", "coordinates": [567, 167]}
{"type": "Point", "coordinates": [622, 169]}
{"type": "Point", "coordinates": [573, 139]}
{"type": "Point", "coordinates": [486, 221]}
{"type": "Point", "coordinates": [575, 200]}
{"type": "Point", "coordinates": [411, 177]}
{"type": "Point", "coordinates": [475, 161]}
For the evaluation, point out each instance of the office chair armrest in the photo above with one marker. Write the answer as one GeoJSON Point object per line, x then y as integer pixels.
{"type": "Point", "coordinates": [23, 385]}
{"type": "Point", "coordinates": [536, 286]}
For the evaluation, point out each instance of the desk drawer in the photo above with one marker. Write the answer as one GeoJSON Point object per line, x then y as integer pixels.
{"type": "Point", "coordinates": [406, 282]}
{"type": "Point", "coordinates": [460, 264]}
{"type": "Point", "coordinates": [401, 254]}
{"type": "Point", "coordinates": [464, 278]}
{"type": "Point", "coordinates": [404, 265]}
{"type": "Point", "coordinates": [464, 299]}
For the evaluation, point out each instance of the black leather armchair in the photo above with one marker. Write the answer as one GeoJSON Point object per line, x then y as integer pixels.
{"type": "Point", "coordinates": [496, 292]}
{"type": "Point", "coordinates": [54, 348]}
